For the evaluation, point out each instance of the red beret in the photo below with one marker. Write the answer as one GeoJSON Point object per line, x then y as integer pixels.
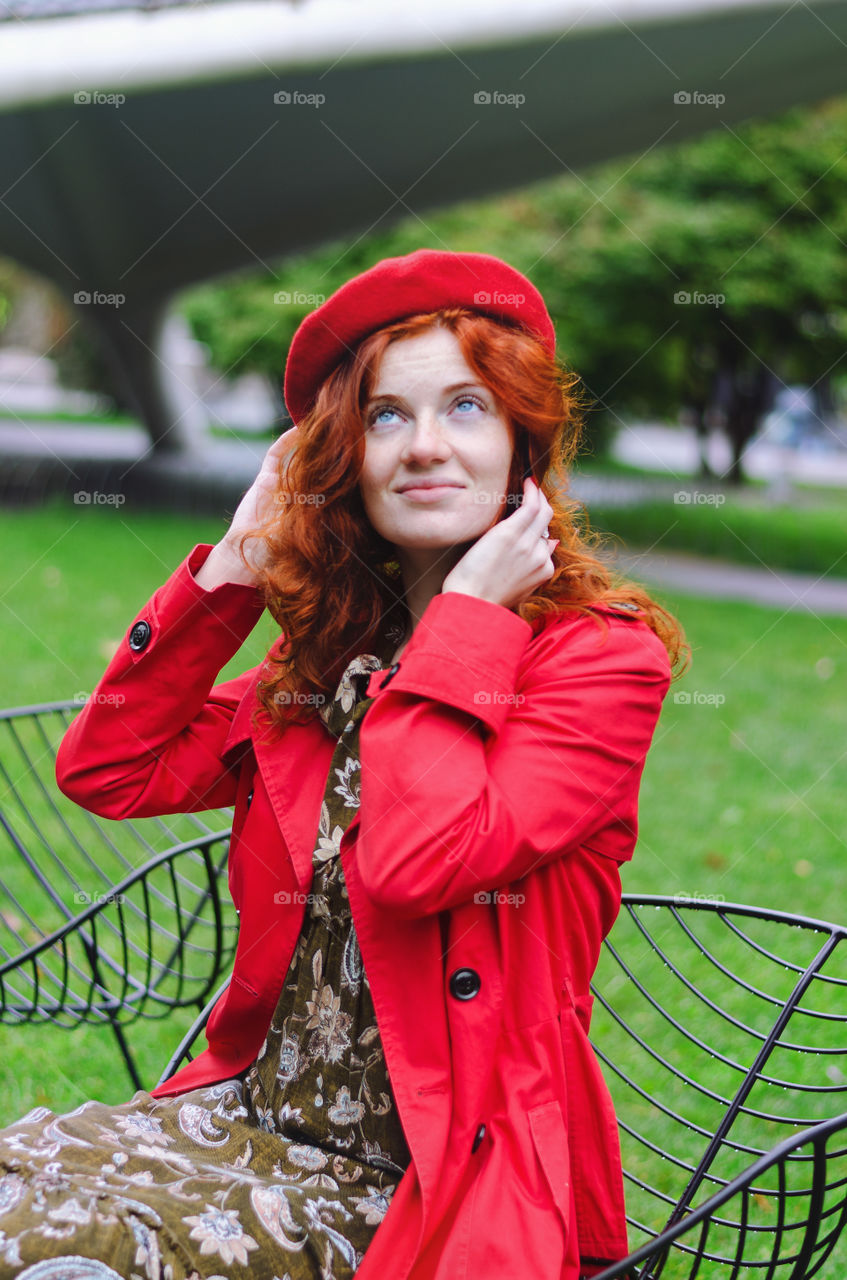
{"type": "Point", "coordinates": [394, 288]}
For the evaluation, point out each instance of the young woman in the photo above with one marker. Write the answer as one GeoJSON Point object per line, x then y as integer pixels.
{"type": "Point", "coordinates": [435, 776]}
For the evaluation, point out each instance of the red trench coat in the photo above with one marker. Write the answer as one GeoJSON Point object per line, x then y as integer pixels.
{"type": "Point", "coordinates": [500, 771]}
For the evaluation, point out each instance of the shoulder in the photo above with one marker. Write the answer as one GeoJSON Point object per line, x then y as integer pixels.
{"type": "Point", "coordinates": [608, 633]}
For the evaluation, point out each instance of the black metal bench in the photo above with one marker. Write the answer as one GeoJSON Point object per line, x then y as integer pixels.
{"type": "Point", "coordinates": [102, 922]}
{"type": "Point", "coordinates": [722, 1030]}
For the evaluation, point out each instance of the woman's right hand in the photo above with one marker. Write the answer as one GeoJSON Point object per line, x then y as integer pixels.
{"type": "Point", "coordinates": [224, 563]}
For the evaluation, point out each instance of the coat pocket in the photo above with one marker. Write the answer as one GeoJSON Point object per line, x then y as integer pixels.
{"type": "Point", "coordinates": [550, 1138]}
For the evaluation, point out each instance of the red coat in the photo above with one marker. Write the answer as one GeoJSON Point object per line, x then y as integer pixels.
{"type": "Point", "coordinates": [499, 783]}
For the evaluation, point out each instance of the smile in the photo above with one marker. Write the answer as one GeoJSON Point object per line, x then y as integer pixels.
{"type": "Point", "coordinates": [431, 494]}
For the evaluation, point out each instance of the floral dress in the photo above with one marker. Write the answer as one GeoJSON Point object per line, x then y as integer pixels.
{"type": "Point", "coordinates": [284, 1173]}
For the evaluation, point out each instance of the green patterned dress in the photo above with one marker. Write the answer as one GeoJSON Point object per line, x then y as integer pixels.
{"type": "Point", "coordinates": [282, 1174]}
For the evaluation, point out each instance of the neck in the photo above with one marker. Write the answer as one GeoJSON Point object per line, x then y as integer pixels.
{"type": "Point", "coordinates": [423, 572]}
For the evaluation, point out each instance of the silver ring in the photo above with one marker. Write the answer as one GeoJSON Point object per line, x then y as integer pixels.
{"type": "Point", "coordinates": [546, 533]}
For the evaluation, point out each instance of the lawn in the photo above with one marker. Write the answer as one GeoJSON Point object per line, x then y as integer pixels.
{"type": "Point", "coordinates": [806, 533]}
{"type": "Point", "coordinates": [742, 794]}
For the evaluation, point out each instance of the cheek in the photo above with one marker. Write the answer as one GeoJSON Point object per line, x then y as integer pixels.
{"type": "Point", "coordinates": [372, 481]}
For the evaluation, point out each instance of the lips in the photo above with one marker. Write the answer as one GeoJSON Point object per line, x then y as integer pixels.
{"type": "Point", "coordinates": [429, 484]}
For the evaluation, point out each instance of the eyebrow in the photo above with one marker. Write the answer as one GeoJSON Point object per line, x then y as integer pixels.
{"type": "Point", "coordinates": [455, 386]}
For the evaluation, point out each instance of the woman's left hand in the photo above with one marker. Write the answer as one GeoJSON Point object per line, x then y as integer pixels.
{"type": "Point", "coordinates": [512, 558]}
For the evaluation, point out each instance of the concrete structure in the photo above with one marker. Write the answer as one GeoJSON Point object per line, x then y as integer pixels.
{"type": "Point", "coordinates": [143, 151]}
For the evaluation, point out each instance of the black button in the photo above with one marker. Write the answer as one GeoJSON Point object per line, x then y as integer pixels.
{"type": "Point", "coordinates": [392, 671]}
{"type": "Point", "coordinates": [249, 797]}
{"type": "Point", "coordinates": [465, 984]}
{"type": "Point", "coordinates": [139, 636]}
{"type": "Point", "coordinates": [480, 1134]}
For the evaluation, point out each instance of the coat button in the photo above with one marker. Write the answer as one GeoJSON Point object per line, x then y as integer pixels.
{"type": "Point", "coordinates": [464, 984]}
{"type": "Point", "coordinates": [139, 636]}
{"type": "Point", "coordinates": [480, 1134]}
{"type": "Point", "coordinates": [392, 672]}
{"type": "Point", "coordinates": [249, 797]}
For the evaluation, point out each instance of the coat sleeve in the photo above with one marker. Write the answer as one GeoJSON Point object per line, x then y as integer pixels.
{"type": "Point", "coordinates": [150, 738]}
{"type": "Point", "coordinates": [484, 757]}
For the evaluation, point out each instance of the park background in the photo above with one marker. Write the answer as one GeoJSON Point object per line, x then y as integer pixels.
{"type": "Point", "coordinates": [689, 287]}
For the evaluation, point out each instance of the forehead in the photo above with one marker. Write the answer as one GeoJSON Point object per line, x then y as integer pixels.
{"type": "Point", "coordinates": [434, 356]}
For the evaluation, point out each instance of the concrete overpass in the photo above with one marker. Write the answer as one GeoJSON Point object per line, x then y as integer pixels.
{"type": "Point", "coordinates": [142, 151]}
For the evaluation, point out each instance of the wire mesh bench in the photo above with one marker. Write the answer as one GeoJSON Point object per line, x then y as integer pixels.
{"type": "Point", "coordinates": [102, 922]}
{"type": "Point", "coordinates": [722, 1031]}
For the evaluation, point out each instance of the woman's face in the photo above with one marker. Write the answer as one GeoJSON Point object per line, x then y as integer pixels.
{"type": "Point", "coordinates": [430, 420]}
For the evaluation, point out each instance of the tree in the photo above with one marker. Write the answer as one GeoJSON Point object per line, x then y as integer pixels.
{"type": "Point", "coordinates": [713, 266]}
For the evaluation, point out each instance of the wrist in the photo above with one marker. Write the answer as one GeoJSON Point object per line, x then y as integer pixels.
{"type": "Point", "coordinates": [223, 565]}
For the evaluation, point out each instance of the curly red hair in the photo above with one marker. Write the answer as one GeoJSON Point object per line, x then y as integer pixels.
{"type": "Point", "coordinates": [333, 583]}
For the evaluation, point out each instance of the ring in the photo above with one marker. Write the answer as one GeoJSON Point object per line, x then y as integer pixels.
{"type": "Point", "coordinates": [546, 533]}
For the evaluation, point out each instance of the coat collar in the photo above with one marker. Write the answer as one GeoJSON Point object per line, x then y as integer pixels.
{"type": "Point", "coordinates": [295, 763]}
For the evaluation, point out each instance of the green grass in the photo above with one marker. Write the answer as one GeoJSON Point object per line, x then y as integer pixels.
{"type": "Point", "coordinates": [741, 797]}
{"type": "Point", "coordinates": [749, 530]}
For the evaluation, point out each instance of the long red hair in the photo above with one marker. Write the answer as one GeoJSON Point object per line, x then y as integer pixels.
{"type": "Point", "coordinates": [333, 583]}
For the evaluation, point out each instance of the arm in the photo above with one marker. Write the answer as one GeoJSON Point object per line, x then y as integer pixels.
{"type": "Point", "coordinates": [150, 738]}
{"type": "Point", "coordinates": [509, 759]}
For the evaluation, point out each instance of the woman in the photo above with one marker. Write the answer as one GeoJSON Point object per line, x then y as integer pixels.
{"type": "Point", "coordinates": [435, 775]}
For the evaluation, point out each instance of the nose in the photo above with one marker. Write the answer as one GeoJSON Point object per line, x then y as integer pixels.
{"type": "Point", "coordinates": [427, 440]}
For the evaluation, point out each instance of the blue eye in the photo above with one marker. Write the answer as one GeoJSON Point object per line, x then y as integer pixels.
{"type": "Point", "coordinates": [469, 400]}
{"type": "Point", "coordinates": [376, 415]}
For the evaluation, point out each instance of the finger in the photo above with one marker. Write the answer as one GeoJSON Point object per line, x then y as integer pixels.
{"type": "Point", "coordinates": [528, 509]}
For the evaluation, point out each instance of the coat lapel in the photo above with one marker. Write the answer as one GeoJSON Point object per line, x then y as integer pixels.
{"type": "Point", "coordinates": [294, 766]}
